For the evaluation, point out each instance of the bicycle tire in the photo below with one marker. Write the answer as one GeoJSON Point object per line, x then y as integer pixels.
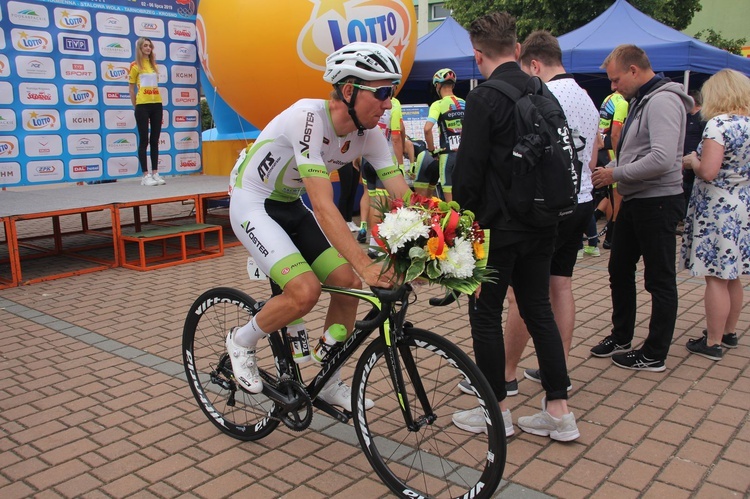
{"type": "Point", "coordinates": [438, 459]}
{"type": "Point", "coordinates": [204, 355]}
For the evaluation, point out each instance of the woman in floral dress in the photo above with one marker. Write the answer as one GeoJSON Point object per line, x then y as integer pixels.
{"type": "Point", "coordinates": [716, 241]}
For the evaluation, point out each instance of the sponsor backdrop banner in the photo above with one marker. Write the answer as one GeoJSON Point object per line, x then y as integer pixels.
{"type": "Point", "coordinates": [65, 110]}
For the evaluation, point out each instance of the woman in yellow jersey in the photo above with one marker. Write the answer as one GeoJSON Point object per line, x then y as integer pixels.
{"type": "Point", "coordinates": [148, 108]}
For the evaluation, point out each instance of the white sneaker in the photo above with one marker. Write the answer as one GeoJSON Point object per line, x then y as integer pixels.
{"type": "Point", "coordinates": [148, 179]}
{"type": "Point", "coordinates": [474, 421]}
{"type": "Point", "coordinates": [244, 366]}
{"type": "Point", "coordinates": [352, 226]}
{"type": "Point", "coordinates": [542, 423]}
{"type": "Point", "coordinates": [158, 178]}
{"type": "Point", "coordinates": [338, 393]}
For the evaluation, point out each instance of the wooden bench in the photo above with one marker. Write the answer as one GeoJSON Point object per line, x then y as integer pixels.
{"type": "Point", "coordinates": [179, 244]}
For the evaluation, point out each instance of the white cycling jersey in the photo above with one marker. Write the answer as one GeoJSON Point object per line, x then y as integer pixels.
{"type": "Point", "coordinates": [301, 142]}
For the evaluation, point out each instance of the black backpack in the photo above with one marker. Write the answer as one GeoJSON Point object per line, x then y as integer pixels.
{"type": "Point", "coordinates": [546, 172]}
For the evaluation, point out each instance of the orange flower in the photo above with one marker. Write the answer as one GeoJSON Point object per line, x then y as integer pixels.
{"type": "Point", "coordinates": [434, 245]}
{"type": "Point", "coordinates": [478, 250]}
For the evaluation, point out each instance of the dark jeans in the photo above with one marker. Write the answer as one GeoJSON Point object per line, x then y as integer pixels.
{"type": "Point", "coordinates": [527, 264]}
{"type": "Point", "coordinates": [646, 227]}
{"type": "Point", "coordinates": [146, 114]}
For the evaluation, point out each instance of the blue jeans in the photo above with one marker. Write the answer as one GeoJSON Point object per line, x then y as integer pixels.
{"type": "Point", "coordinates": [646, 228]}
{"type": "Point", "coordinates": [527, 264]}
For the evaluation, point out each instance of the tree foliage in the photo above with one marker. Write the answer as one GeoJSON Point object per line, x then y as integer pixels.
{"type": "Point", "coordinates": [563, 16]}
{"type": "Point", "coordinates": [733, 45]}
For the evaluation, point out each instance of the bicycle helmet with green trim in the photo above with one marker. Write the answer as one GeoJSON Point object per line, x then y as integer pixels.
{"type": "Point", "coordinates": [444, 75]}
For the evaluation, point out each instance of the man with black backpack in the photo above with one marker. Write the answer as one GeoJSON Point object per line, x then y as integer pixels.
{"type": "Point", "coordinates": [518, 251]}
{"type": "Point", "coordinates": [541, 56]}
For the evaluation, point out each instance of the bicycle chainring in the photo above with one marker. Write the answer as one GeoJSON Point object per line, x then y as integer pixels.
{"type": "Point", "coordinates": [299, 418]}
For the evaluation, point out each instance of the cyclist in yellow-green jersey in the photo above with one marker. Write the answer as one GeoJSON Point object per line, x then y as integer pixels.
{"type": "Point", "coordinates": [448, 113]}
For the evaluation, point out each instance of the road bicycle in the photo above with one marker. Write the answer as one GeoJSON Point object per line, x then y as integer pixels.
{"type": "Point", "coordinates": [411, 374]}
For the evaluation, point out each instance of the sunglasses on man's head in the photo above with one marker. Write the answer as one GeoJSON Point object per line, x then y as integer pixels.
{"type": "Point", "coordinates": [380, 93]}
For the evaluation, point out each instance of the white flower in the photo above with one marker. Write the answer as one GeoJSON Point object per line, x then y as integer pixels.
{"type": "Point", "coordinates": [460, 260]}
{"type": "Point", "coordinates": [403, 226]}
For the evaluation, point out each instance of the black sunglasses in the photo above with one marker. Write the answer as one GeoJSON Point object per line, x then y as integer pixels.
{"type": "Point", "coordinates": [380, 93]}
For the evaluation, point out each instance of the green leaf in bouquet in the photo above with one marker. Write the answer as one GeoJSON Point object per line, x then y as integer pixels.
{"type": "Point", "coordinates": [433, 270]}
{"type": "Point", "coordinates": [417, 252]}
{"type": "Point", "coordinates": [466, 286]}
{"type": "Point", "coordinates": [415, 269]}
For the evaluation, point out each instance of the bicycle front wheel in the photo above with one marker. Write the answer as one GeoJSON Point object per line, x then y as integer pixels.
{"type": "Point", "coordinates": [432, 458]}
{"type": "Point", "coordinates": [237, 413]}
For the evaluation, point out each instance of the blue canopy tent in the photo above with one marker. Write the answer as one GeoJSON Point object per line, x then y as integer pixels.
{"type": "Point", "coordinates": [447, 46]}
{"type": "Point", "coordinates": [585, 48]}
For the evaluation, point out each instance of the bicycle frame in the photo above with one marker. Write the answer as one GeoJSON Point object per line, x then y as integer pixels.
{"type": "Point", "coordinates": [382, 316]}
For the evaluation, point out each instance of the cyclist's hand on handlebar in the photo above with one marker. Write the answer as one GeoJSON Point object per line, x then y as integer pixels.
{"type": "Point", "coordinates": [373, 275]}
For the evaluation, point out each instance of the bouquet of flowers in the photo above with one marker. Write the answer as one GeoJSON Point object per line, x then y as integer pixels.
{"type": "Point", "coordinates": [430, 239]}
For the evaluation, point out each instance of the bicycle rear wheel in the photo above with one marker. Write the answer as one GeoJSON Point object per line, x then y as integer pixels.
{"type": "Point", "coordinates": [237, 413]}
{"type": "Point", "coordinates": [435, 458]}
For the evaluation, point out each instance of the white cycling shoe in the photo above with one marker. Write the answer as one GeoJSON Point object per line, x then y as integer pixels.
{"type": "Point", "coordinates": [244, 366]}
{"type": "Point", "coordinates": [338, 393]}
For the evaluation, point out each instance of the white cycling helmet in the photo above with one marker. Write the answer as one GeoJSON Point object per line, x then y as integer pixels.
{"type": "Point", "coordinates": [363, 60]}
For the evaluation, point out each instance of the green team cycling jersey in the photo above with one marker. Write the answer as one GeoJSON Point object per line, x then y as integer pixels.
{"type": "Point", "coordinates": [301, 142]}
{"type": "Point", "coordinates": [448, 113]}
{"type": "Point", "coordinates": [614, 109]}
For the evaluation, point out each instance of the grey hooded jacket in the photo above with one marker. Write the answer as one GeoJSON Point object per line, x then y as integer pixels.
{"type": "Point", "coordinates": [649, 163]}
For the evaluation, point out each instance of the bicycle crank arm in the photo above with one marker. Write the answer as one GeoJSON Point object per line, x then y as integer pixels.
{"type": "Point", "coordinates": [324, 406]}
{"type": "Point", "coordinates": [287, 403]}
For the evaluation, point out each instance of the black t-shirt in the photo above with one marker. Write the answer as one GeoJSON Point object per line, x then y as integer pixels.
{"type": "Point", "coordinates": [693, 132]}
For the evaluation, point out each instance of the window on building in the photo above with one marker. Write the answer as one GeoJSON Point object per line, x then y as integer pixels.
{"type": "Point", "coordinates": [438, 12]}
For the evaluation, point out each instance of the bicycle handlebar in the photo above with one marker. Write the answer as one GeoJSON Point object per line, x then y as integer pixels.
{"type": "Point", "coordinates": [386, 296]}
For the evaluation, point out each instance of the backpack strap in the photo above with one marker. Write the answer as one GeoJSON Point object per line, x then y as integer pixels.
{"type": "Point", "coordinates": [505, 88]}
{"type": "Point", "coordinates": [513, 94]}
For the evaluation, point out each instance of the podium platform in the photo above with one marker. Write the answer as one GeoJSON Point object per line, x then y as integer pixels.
{"type": "Point", "coordinates": [77, 229]}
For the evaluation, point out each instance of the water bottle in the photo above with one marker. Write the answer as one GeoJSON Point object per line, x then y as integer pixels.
{"type": "Point", "coordinates": [334, 334]}
{"type": "Point", "coordinates": [297, 336]}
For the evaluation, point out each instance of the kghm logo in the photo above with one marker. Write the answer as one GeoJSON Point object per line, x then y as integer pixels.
{"type": "Point", "coordinates": [80, 96]}
{"type": "Point", "coordinates": [31, 42]}
{"type": "Point", "coordinates": [40, 121]}
{"type": "Point", "coordinates": [72, 21]}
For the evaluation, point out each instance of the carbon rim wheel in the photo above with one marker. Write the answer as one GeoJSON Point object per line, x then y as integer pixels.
{"type": "Point", "coordinates": [237, 413]}
{"type": "Point", "coordinates": [435, 459]}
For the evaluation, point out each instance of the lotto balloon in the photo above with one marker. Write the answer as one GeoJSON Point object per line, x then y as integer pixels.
{"type": "Point", "coordinates": [263, 55]}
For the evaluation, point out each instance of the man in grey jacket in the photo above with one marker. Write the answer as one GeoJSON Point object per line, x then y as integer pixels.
{"type": "Point", "coordinates": [648, 172]}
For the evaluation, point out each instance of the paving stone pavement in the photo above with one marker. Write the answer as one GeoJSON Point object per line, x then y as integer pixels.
{"type": "Point", "coordinates": [94, 403]}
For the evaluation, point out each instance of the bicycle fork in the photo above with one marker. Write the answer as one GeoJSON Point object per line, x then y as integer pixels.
{"type": "Point", "coordinates": [398, 353]}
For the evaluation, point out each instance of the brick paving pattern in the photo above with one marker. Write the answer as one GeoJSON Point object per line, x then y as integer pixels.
{"type": "Point", "coordinates": [94, 403]}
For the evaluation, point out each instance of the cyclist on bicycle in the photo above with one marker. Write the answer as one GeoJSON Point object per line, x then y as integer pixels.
{"type": "Point", "coordinates": [296, 153]}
